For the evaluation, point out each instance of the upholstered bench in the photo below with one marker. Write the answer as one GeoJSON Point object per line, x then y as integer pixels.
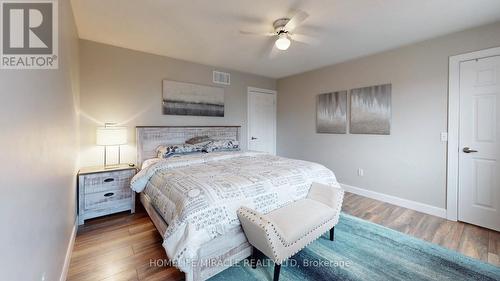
{"type": "Point", "coordinates": [283, 232]}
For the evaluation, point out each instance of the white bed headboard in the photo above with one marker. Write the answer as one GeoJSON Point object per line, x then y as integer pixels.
{"type": "Point", "coordinates": [150, 137]}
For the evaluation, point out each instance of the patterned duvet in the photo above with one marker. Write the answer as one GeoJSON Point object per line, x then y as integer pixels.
{"type": "Point", "coordinates": [198, 194]}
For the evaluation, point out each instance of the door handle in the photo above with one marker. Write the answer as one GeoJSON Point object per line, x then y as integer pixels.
{"type": "Point", "coordinates": [253, 138]}
{"type": "Point", "coordinates": [468, 150]}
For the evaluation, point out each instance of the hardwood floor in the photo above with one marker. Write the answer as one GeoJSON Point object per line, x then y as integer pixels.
{"type": "Point", "coordinates": [120, 247]}
{"type": "Point", "coordinates": [470, 240]}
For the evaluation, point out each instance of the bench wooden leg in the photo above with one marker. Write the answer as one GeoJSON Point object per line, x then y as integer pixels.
{"type": "Point", "coordinates": [254, 257]}
{"type": "Point", "coordinates": [332, 234]}
{"type": "Point", "coordinates": [277, 268]}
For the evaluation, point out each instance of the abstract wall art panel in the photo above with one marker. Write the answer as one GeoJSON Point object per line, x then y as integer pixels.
{"type": "Point", "coordinates": [371, 110]}
{"type": "Point", "coordinates": [331, 113]}
{"type": "Point", "coordinates": [181, 98]}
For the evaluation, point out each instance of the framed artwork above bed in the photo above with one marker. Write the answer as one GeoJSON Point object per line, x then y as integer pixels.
{"type": "Point", "coordinates": [180, 98]}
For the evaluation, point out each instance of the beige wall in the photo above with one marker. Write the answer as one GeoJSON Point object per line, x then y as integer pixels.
{"type": "Point", "coordinates": [38, 142]}
{"type": "Point", "coordinates": [411, 162]}
{"type": "Point", "coordinates": [125, 86]}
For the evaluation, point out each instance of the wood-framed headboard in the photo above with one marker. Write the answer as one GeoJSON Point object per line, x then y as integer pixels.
{"type": "Point", "coordinates": [150, 137]}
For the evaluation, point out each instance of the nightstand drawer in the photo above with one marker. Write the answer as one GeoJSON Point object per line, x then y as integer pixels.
{"type": "Point", "coordinates": [101, 182]}
{"type": "Point", "coordinates": [107, 199]}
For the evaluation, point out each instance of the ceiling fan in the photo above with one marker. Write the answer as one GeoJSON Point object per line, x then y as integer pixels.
{"type": "Point", "coordinates": [283, 31]}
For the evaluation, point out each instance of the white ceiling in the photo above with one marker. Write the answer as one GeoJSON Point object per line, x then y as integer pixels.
{"type": "Point", "coordinates": [207, 31]}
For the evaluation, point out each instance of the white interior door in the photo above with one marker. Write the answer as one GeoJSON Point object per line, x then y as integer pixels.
{"type": "Point", "coordinates": [262, 121]}
{"type": "Point", "coordinates": [479, 170]}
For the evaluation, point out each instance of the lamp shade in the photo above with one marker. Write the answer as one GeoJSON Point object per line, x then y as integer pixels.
{"type": "Point", "coordinates": [111, 135]}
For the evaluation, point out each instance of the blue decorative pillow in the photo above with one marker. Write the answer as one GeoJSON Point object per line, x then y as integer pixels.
{"type": "Point", "coordinates": [221, 145]}
{"type": "Point", "coordinates": [167, 151]}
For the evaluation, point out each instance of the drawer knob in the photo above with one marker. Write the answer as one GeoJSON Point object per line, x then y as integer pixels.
{"type": "Point", "coordinates": [109, 180]}
{"type": "Point", "coordinates": [109, 194]}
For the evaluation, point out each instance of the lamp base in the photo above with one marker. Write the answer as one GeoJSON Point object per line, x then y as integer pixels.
{"type": "Point", "coordinates": [111, 166]}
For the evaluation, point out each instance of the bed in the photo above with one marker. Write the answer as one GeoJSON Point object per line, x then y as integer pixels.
{"type": "Point", "coordinates": [192, 199]}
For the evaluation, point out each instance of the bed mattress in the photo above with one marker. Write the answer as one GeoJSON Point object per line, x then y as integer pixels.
{"type": "Point", "coordinates": [198, 194]}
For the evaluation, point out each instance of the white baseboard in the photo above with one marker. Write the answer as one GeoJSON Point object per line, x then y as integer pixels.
{"type": "Point", "coordinates": [69, 251]}
{"type": "Point", "coordinates": [417, 206]}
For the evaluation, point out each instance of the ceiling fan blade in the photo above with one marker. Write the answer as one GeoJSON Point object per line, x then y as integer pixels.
{"type": "Point", "coordinates": [296, 20]}
{"type": "Point", "coordinates": [304, 39]}
{"type": "Point", "coordinates": [272, 50]}
{"type": "Point", "coordinates": [257, 33]}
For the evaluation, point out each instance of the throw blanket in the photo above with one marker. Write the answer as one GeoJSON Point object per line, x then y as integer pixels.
{"type": "Point", "coordinates": [198, 194]}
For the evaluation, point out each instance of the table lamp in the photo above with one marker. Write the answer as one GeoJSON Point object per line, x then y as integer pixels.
{"type": "Point", "coordinates": [110, 135]}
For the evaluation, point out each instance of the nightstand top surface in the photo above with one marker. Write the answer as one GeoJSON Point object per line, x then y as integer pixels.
{"type": "Point", "coordinates": [101, 169]}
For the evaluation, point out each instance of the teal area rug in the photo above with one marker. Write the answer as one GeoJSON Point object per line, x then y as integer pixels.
{"type": "Point", "coordinates": [366, 251]}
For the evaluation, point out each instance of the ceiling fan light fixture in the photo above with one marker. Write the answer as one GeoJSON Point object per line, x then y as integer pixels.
{"type": "Point", "coordinates": [283, 42]}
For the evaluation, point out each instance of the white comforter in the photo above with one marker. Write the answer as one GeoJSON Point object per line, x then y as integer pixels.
{"type": "Point", "coordinates": [198, 195]}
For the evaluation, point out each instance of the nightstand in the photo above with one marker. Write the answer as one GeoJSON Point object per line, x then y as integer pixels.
{"type": "Point", "coordinates": [104, 191]}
